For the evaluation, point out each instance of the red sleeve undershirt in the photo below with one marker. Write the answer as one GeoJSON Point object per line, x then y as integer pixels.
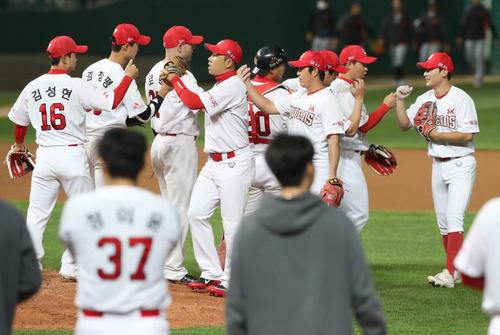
{"type": "Point", "coordinates": [190, 99]}
{"type": "Point", "coordinates": [120, 90]}
{"type": "Point", "coordinates": [374, 118]}
{"type": "Point", "coordinates": [477, 283]}
{"type": "Point", "coordinates": [19, 133]}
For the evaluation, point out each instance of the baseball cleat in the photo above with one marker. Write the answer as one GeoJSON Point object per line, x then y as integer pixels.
{"type": "Point", "coordinates": [457, 278]}
{"type": "Point", "coordinates": [202, 283]}
{"type": "Point", "coordinates": [185, 280]}
{"type": "Point", "coordinates": [217, 291]}
{"type": "Point", "coordinates": [442, 279]}
{"type": "Point", "coordinates": [67, 278]}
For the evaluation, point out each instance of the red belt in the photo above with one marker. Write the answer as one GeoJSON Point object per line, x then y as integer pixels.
{"type": "Point", "coordinates": [144, 313]}
{"type": "Point", "coordinates": [445, 159]}
{"type": "Point", "coordinates": [169, 134]}
{"type": "Point", "coordinates": [219, 156]}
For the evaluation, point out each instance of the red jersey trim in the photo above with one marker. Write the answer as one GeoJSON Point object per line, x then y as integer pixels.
{"type": "Point", "coordinates": [345, 79]}
{"type": "Point", "coordinates": [443, 95]}
{"type": "Point", "coordinates": [220, 78]}
{"type": "Point", "coordinates": [57, 71]}
{"type": "Point", "coordinates": [310, 93]}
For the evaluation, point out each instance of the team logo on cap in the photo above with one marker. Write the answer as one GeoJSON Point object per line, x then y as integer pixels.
{"type": "Point", "coordinates": [443, 66]}
{"type": "Point", "coordinates": [230, 54]}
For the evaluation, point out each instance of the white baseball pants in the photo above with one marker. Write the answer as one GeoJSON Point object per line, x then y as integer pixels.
{"type": "Point", "coordinates": [129, 324]}
{"type": "Point", "coordinates": [175, 164]}
{"type": "Point", "coordinates": [95, 168]}
{"type": "Point", "coordinates": [452, 183]}
{"type": "Point", "coordinates": [354, 204]}
{"type": "Point", "coordinates": [55, 167]}
{"type": "Point", "coordinates": [225, 183]}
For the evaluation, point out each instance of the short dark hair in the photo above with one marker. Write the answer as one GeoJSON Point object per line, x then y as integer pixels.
{"type": "Point", "coordinates": [321, 74]}
{"type": "Point", "coordinates": [123, 152]}
{"type": "Point", "coordinates": [57, 60]}
{"type": "Point", "coordinates": [117, 47]}
{"type": "Point", "coordinates": [288, 156]}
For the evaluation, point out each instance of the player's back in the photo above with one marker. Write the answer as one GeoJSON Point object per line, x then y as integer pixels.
{"type": "Point", "coordinates": [121, 236]}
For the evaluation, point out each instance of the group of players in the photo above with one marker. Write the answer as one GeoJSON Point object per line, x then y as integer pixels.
{"type": "Point", "coordinates": [243, 111]}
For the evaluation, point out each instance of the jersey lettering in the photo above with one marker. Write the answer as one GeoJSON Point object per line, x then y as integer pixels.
{"type": "Point", "coordinates": [116, 257]}
{"type": "Point", "coordinates": [57, 120]}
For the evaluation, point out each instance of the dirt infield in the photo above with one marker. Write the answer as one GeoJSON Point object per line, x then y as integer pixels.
{"type": "Point", "coordinates": [53, 307]}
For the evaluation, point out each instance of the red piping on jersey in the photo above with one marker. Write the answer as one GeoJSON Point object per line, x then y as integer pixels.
{"type": "Point", "coordinates": [477, 283]}
{"type": "Point", "coordinates": [262, 79]}
{"type": "Point", "coordinates": [374, 118]}
{"type": "Point", "coordinates": [346, 79]}
{"type": "Point", "coordinates": [189, 98]}
{"type": "Point", "coordinates": [220, 78]}
{"type": "Point", "coordinates": [268, 85]}
{"type": "Point", "coordinates": [442, 95]}
{"type": "Point", "coordinates": [20, 133]}
{"type": "Point", "coordinates": [57, 71]}
{"type": "Point", "coordinates": [120, 90]}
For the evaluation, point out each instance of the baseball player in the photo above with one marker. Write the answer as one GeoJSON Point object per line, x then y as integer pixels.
{"type": "Point", "coordinates": [451, 147]}
{"type": "Point", "coordinates": [270, 65]}
{"type": "Point", "coordinates": [174, 154]}
{"type": "Point", "coordinates": [355, 201]}
{"type": "Point", "coordinates": [54, 104]}
{"type": "Point", "coordinates": [477, 261]}
{"type": "Point", "coordinates": [105, 74]}
{"type": "Point", "coordinates": [313, 113]}
{"type": "Point", "coordinates": [120, 236]}
{"type": "Point", "coordinates": [225, 179]}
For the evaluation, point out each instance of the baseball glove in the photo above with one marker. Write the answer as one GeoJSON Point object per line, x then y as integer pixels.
{"type": "Point", "coordinates": [380, 159]}
{"type": "Point", "coordinates": [176, 65]}
{"type": "Point", "coordinates": [425, 119]}
{"type": "Point", "coordinates": [332, 192]}
{"type": "Point", "coordinates": [19, 163]}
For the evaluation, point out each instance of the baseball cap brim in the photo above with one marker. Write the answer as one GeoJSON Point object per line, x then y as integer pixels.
{"type": "Point", "coordinates": [340, 69]}
{"type": "Point", "coordinates": [298, 63]}
{"type": "Point", "coordinates": [196, 39]}
{"type": "Point", "coordinates": [214, 49]}
{"type": "Point", "coordinates": [427, 65]}
{"type": "Point", "coordinates": [81, 49]}
{"type": "Point", "coordinates": [143, 40]}
{"type": "Point", "coordinates": [367, 59]}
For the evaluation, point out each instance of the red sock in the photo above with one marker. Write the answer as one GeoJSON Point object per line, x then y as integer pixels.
{"type": "Point", "coordinates": [445, 242]}
{"type": "Point", "coordinates": [454, 244]}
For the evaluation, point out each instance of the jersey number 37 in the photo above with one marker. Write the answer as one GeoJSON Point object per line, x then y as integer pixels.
{"type": "Point", "coordinates": [116, 256]}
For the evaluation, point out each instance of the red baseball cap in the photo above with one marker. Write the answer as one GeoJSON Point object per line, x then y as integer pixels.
{"type": "Point", "coordinates": [228, 48]}
{"type": "Point", "coordinates": [332, 61]}
{"type": "Point", "coordinates": [128, 33]}
{"type": "Point", "coordinates": [309, 58]}
{"type": "Point", "coordinates": [438, 60]}
{"type": "Point", "coordinates": [178, 35]}
{"type": "Point", "coordinates": [63, 45]}
{"type": "Point", "coordinates": [355, 53]}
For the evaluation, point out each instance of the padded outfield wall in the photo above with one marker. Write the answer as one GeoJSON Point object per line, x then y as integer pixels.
{"type": "Point", "coordinates": [252, 23]}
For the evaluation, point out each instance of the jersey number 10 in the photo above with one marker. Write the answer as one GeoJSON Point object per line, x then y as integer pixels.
{"type": "Point", "coordinates": [116, 257]}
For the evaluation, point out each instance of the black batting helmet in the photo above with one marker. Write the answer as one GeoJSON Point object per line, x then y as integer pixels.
{"type": "Point", "coordinates": [269, 57]}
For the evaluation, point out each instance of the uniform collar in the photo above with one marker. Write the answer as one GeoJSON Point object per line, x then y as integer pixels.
{"type": "Point", "coordinates": [220, 78]}
{"type": "Point", "coordinates": [57, 71]}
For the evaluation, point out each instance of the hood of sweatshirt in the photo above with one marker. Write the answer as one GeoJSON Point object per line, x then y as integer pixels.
{"type": "Point", "coordinates": [282, 216]}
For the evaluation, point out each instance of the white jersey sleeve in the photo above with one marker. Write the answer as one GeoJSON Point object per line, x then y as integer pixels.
{"type": "Point", "coordinates": [331, 117]}
{"type": "Point", "coordinates": [292, 84]}
{"type": "Point", "coordinates": [93, 98]}
{"type": "Point", "coordinates": [283, 105]}
{"type": "Point", "coordinates": [19, 112]}
{"type": "Point", "coordinates": [223, 96]}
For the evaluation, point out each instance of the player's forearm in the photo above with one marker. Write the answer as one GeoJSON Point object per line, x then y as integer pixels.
{"type": "Point", "coordinates": [189, 98]}
{"type": "Point", "coordinates": [355, 117]}
{"type": "Point", "coordinates": [147, 114]}
{"type": "Point", "coordinates": [454, 137]}
{"type": "Point", "coordinates": [375, 117]}
{"type": "Point", "coordinates": [401, 117]}
{"type": "Point", "coordinates": [121, 90]}
{"type": "Point", "coordinates": [19, 134]}
{"type": "Point", "coordinates": [263, 103]}
{"type": "Point", "coordinates": [333, 155]}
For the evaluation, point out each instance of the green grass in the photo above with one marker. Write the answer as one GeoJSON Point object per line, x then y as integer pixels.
{"type": "Point", "coordinates": [7, 98]}
{"type": "Point", "coordinates": [403, 248]}
{"type": "Point", "coordinates": [387, 132]}
{"type": "Point", "coordinates": [187, 331]}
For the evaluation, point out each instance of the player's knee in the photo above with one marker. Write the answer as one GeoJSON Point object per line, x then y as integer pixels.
{"type": "Point", "coordinates": [455, 223]}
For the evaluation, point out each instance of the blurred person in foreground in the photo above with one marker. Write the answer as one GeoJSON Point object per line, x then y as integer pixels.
{"type": "Point", "coordinates": [311, 245]}
{"type": "Point", "coordinates": [20, 276]}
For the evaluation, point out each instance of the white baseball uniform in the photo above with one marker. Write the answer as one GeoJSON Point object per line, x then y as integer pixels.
{"type": "Point", "coordinates": [174, 157]}
{"type": "Point", "coordinates": [54, 104]}
{"type": "Point", "coordinates": [314, 116]}
{"type": "Point", "coordinates": [107, 74]}
{"type": "Point", "coordinates": [262, 129]}
{"type": "Point", "coordinates": [479, 258]}
{"type": "Point", "coordinates": [454, 165]}
{"type": "Point", "coordinates": [293, 84]}
{"type": "Point", "coordinates": [120, 236]}
{"type": "Point", "coordinates": [226, 177]}
{"type": "Point", "coordinates": [355, 201]}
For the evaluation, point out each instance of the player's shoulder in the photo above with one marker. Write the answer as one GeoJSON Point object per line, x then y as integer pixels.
{"type": "Point", "coordinates": [156, 69]}
{"type": "Point", "coordinates": [458, 92]}
{"type": "Point", "coordinates": [99, 64]}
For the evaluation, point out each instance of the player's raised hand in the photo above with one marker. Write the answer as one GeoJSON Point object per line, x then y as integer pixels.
{"type": "Point", "coordinates": [358, 88]}
{"type": "Point", "coordinates": [390, 100]}
{"type": "Point", "coordinates": [403, 92]}
{"type": "Point", "coordinates": [131, 70]}
{"type": "Point", "coordinates": [244, 73]}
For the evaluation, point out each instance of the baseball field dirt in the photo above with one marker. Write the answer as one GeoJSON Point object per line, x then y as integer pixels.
{"type": "Point", "coordinates": [53, 307]}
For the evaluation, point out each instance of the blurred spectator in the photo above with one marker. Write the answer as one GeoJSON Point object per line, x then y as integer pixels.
{"type": "Point", "coordinates": [473, 25]}
{"type": "Point", "coordinates": [321, 30]}
{"type": "Point", "coordinates": [20, 276]}
{"type": "Point", "coordinates": [273, 289]}
{"type": "Point", "coordinates": [397, 35]}
{"type": "Point", "coordinates": [430, 31]}
{"type": "Point", "coordinates": [353, 27]}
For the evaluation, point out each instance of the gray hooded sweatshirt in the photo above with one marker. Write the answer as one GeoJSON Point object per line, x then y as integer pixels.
{"type": "Point", "coordinates": [298, 268]}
